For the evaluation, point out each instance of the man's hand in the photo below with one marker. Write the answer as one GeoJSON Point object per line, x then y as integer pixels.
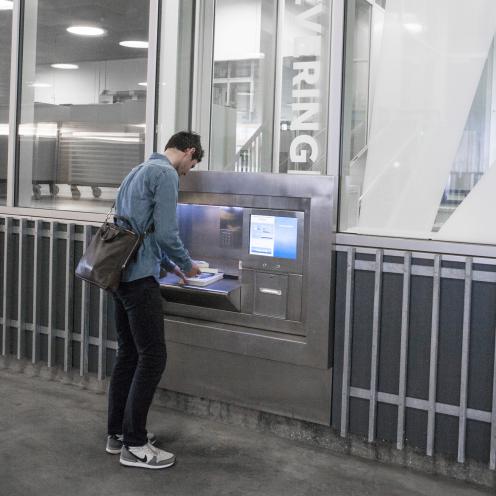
{"type": "Point", "coordinates": [195, 270]}
{"type": "Point", "coordinates": [179, 273]}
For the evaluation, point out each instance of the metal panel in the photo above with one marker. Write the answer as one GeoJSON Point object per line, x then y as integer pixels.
{"type": "Point", "coordinates": [102, 336]}
{"type": "Point", "coordinates": [21, 307]}
{"type": "Point", "coordinates": [492, 456]}
{"type": "Point", "coordinates": [35, 353]}
{"type": "Point", "coordinates": [14, 89]}
{"type": "Point", "coordinates": [348, 326]}
{"type": "Point", "coordinates": [464, 370]}
{"type": "Point", "coordinates": [85, 313]}
{"type": "Point", "coordinates": [405, 311]}
{"type": "Point", "coordinates": [431, 418]}
{"type": "Point", "coordinates": [6, 289]}
{"type": "Point", "coordinates": [52, 262]}
{"type": "Point", "coordinates": [69, 297]}
{"type": "Point", "coordinates": [151, 78]}
{"type": "Point", "coordinates": [375, 345]}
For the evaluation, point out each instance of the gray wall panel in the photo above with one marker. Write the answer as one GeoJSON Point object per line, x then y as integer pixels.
{"type": "Point", "coordinates": [481, 350]}
{"type": "Point", "coordinates": [339, 316]}
{"type": "Point", "coordinates": [478, 440]}
{"type": "Point", "coordinates": [387, 418]}
{"type": "Point", "coordinates": [43, 276]}
{"type": "Point", "coordinates": [446, 438]}
{"type": "Point", "coordinates": [390, 333]}
{"type": "Point", "coordinates": [419, 342]}
{"type": "Point", "coordinates": [14, 271]}
{"type": "Point", "coordinates": [359, 417]}
{"type": "Point", "coordinates": [415, 428]}
{"type": "Point", "coordinates": [362, 329]}
{"type": "Point", "coordinates": [450, 341]}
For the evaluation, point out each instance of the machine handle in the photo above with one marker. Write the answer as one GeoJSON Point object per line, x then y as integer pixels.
{"type": "Point", "coordinates": [270, 291]}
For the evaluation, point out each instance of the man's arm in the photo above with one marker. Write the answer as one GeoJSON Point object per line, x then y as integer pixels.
{"type": "Point", "coordinates": [166, 184]}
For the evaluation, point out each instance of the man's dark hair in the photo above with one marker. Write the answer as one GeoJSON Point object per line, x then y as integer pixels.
{"type": "Point", "coordinates": [184, 140]}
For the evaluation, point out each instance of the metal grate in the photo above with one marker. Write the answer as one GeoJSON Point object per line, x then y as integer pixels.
{"type": "Point", "coordinates": [372, 260]}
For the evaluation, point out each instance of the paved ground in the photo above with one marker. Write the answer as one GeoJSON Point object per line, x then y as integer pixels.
{"type": "Point", "coordinates": [53, 444]}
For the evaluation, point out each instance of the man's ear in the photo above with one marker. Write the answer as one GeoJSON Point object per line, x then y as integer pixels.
{"type": "Point", "coordinates": [191, 151]}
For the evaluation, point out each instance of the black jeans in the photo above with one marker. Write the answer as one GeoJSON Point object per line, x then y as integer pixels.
{"type": "Point", "coordinates": [140, 360]}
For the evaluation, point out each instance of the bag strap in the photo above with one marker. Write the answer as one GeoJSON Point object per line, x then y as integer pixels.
{"type": "Point", "coordinates": [148, 230]}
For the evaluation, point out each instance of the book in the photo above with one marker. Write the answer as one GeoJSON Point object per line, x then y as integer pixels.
{"type": "Point", "coordinates": [204, 279]}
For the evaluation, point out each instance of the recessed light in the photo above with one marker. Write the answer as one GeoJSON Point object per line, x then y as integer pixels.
{"type": "Point", "coordinates": [40, 85]}
{"type": "Point", "coordinates": [144, 83]}
{"type": "Point", "coordinates": [413, 27]}
{"type": "Point", "coordinates": [64, 66]}
{"type": "Point", "coordinates": [134, 44]}
{"type": "Point", "coordinates": [6, 5]}
{"type": "Point", "coordinates": [86, 30]}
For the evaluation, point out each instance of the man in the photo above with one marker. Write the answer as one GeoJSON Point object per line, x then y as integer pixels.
{"type": "Point", "coordinates": [147, 198]}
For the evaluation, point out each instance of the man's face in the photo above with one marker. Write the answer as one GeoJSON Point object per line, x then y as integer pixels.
{"type": "Point", "coordinates": [187, 162]}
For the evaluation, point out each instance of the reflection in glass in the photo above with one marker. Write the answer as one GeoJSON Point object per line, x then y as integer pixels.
{"type": "Point", "coordinates": [419, 140]}
{"type": "Point", "coordinates": [5, 45]}
{"type": "Point", "coordinates": [243, 86]}
{"type": "Point", "coordinates": [82, 113]}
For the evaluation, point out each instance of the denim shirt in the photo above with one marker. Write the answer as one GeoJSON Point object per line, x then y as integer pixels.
{"type": "Point", "coordinates": [148, 195]}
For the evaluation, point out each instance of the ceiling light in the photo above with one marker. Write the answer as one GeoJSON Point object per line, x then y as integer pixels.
{"type": "Point", "coordinates": [86, 30]}
{"type": "Point", "coordinates": [6, 5]}
{"type": "Point", "coordinates": [144, 83]}
{"type": "Point", "coordinates": [64, 66]}
{"type": "Point", "coordinates": [413, 27]}
{"type": "Point", "coordinates": [134, 44]}
{"type": "Point", "coordinates": [40, 85]}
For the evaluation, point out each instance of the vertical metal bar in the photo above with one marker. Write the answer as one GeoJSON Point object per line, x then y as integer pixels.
{"type": "Point", "coordinates": [336, 71]}
{"type": "Point", "coordinates": [276, 130]}
{"type": "Point", "coordinates": [151, 77]}
{"type": "Point", "coordinates": [467, 302]}
{"type": "Point", "coordinates": [431, 414]}
{"type": "Point", "coordinates": [348, 325]}
{"type": "Point", "coordinates": [492, 452]}
{"type": "Point", "coordinates": [102, 336]}
{"type": "Point", "coordinates": [6, 289]}
{"type": "Point", "coordinates": [69, 297]}
{"type": "Point", "coordinates": [85, 313]}
{"type": "Point", "coordinates": [51, 294]}
{"type": "Point", "coordinates": [14, 88]}
{"type": "Point", "coordinates": [35, 354]}
{"type": "Point", "coordinates": [21, 292]}
{"type": "Point", "coordinates": [405, 314]}
{"type": "Point", "coordinates": [375, 344]}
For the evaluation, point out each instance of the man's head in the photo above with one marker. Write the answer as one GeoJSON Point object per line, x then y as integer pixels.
{"type": "Point", "coordinates": [184, 151]}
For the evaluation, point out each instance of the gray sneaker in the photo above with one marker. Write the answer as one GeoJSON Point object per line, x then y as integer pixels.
{"type": "Point", "coordinates": [147, 456]}
{"type": "Point", "coordinates": [114, 443]}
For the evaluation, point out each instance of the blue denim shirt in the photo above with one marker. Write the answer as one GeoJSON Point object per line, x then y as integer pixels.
{"type": "Point", "coordinates": [148, 195]}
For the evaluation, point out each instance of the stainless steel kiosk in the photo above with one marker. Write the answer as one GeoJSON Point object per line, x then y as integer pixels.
{"type": "Point", "coordinates": [261, 336]}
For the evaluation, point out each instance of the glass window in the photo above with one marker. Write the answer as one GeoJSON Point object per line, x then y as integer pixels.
{"type": "Point", "coordinates": [243, 85]}
{"type": "Point", "coordinates": [269, 111]}
{"type": "Point", "coordinates": [83, 99]}
{"type": "Point", "coordinates": [5, 47]}
{"type": "Point", "coordinates": [176, 66]}
{"type": "Point", "coordinates": [302, 108]}
{"type": "Point", "coordinates": [419, 121]}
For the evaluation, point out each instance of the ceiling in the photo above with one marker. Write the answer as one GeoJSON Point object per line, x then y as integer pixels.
{"type": "Point", "coordinates": [122, 19]}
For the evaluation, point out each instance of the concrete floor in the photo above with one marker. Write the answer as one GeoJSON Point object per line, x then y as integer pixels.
{"type": "Point", "coordinates": [53, 439]}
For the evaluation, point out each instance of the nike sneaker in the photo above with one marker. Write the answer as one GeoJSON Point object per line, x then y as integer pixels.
{"type": "Point", "coordinates": [147, 456]}
{"type": "Point", "coordinates": [114, 442]}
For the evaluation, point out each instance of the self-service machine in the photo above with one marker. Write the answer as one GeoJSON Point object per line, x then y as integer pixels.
{"type": "Point", "coordinates": [255, 328]}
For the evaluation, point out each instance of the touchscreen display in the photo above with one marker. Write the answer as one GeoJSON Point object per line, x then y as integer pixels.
{"type": "Point", "coordinates": [272, 236]}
